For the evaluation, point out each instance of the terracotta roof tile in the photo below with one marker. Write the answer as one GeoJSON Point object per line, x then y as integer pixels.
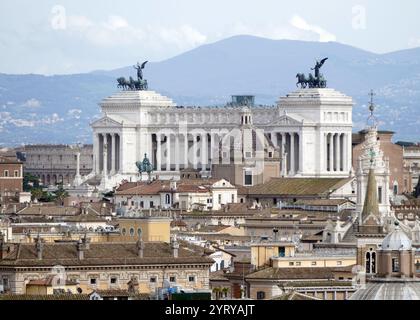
{"type": "Point", "coordinates": [101, 254]}
{"type": "Point", "coordinates": [298, 186]}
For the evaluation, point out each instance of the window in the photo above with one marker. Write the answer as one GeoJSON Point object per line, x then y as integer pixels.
{"type": "Point", "coordinates": [233, 198]}
{"type": "Point", "coordinates": [247, 154]}
{"type": "Point", "coordinates": [113, 280]}
{"type": "Point", "coordinates": [248, 178]}
{"type": "Point", "coordinates": [5, 283]}
{"type": "Point", "coordinates": [151, 204]}
{"type": "Point", "coordinates": [270, 154]}
{"type": "Point", "coordinates": [139, 232]}
{"type": "Point", "coordinates": [93, 281]}
{"type": "Point", "coordinates": [191, 279]}
{"type": "Point", "coordinates": [291, 263]}
{"type": "Point", "coordinates": [260, 295]}
{"type": "Point", "coordinates": [152, 279]}
{"type": "Point", "coordinates": [380, 194]}
{"type": "Point", "coordinates": [339, 263]}
{"type": "Point", "coordinates": [395, 188]}
{"type": "Point", "coordinates": [6, 173]}
{"type": "Point", "coordinates": [167, 199]}
{"type": "Point", "coordinates": [123, 231]}
{"type": "Point", "coordinates": [313, 263]}
{"type": "Point", "coordinates": [172, 279]}
{"type": "Point", "coordinates": [16, 173]}
{"type": "Point", "coordinates": [395, 265]}
{"type": "Point", "coordinates": [219, 197]}
{"type": "Point", "coordinates": [298, 264]}
{"type": "Point", "coordinates": [282, 251]}
{"type": "Point", "coordinates": [132, 232]}
{"type": "Point", "coordinates": [141, 204]}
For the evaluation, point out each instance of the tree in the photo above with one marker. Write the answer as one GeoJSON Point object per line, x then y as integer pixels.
{"type": "Point", "coordinates": [37, 193]}
{"type": "Point", "coordinates": [30, 182]}
{"type": "Point", "coordinates": [216, 292]}
{"type": "Point", "coordinates": [225, 291]}
{"type": "Point", "coordinates": [60, 195]}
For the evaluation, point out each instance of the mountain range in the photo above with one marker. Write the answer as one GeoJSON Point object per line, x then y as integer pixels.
{"type": "Point", "coordinates": [59, 108]}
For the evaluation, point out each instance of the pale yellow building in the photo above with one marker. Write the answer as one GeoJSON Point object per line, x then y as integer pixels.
{"type": "Point", "coordinates": [261, 253]}
{"type": "Point", "coordinates": [148, 228]}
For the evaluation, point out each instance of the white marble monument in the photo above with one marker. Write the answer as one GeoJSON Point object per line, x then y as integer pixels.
{"type": "Point", "coordinates": [310, 127]}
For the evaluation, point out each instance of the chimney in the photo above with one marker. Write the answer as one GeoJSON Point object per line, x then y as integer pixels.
{"type": "Point", "coordinates": [140, 248]}
{"type": "Point", "coordinates": [80, 250]}
{"type": "Point", "coordinates": [175, 247]}
{"type": "Point", "coordinates": [86, 242]}
{"type": "Point", "coordinates": [39, 245]}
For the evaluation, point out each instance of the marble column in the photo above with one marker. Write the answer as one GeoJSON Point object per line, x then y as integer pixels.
{"type": "Point", "coordinates": [168, 152]}
{"type": "Point", "coordinates": [326, 151]}
{"type": "Point", "coordinates": [177, 152]}
{"type": "Point", "coordinates": [185, 150]}
{"type": "Point", "coordinates": [194, 157]}
{"type": "Point", "coordinates": [96, 153]}
{"type": "Point", "coordinates": [203, 152]}
{"type": "Point", "coordinates": [331, 162]}
{"type": "Point", "coordinates": [158, 152]}
{"type": "Point", "coordinates": [105, 155]}
{"type": "Point", "coordinates": [292, 153]}
{"type": "Point", "coordinates": [113, 149]}
{"type": "Point", "coordinates": [337, 152]}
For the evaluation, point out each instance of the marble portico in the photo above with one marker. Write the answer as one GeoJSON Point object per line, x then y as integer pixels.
{"type": "Point", "coordinates": [311, 128]}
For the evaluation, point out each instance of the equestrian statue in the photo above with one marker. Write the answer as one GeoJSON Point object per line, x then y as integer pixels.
{"type": "Point", "coordinates": [317, 81]}
{"type": "Point", "coordinates": [131, 84]}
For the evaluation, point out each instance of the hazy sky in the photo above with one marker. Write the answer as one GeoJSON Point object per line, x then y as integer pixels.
{"type": "Point", "coordinates": [63, 36]}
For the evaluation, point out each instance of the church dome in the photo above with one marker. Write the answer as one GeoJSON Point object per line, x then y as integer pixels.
{"type": "Point", "coordinates": [396, 240]}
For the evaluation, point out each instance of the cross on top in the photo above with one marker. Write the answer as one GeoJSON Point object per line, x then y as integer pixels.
{"type": "Point", "coordinates": [372, 108]}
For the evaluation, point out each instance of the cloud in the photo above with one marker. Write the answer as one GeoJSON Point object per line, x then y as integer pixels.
{"type": "Point", "coordinates": [74, 113]}
{"type": "Point", "coordinates": [54, 118]}
{"type": "Point", "coordinates": [300, 23]}
{"type": "Point", "coordinates": [6, 118]}
{"type": "Point", "coordinates": [414, 42]}
{"type": "Point", "coordinates": [117, 31]}
{"type": "Point", "coordinates": [23, 122]}
{"type": "Point", "coordinates": [32, 103]}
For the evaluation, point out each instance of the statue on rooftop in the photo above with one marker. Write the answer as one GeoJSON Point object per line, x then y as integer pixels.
{"type": "Point", "coordinates": [131, 84]}
{"type": "Point", "coordinates": [317, 81]}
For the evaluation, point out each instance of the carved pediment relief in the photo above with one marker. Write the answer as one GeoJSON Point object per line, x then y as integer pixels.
{"type": "Point", "coordinates": [106, 122]}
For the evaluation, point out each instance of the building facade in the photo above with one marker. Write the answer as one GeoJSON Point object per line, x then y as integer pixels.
{"type": "Point", "coordinates": [311, 129]}
{"type": "Point", "coordinates": [11, 178]}
{"type": "Point", "coordinates": [56, 164]}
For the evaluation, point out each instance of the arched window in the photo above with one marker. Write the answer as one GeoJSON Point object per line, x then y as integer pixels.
{"type": "Point", "coordinates": [371, 261]}
{"type": "Point", "coordinates": [167, 198]}
{"type": "Point", "coordinates": [139, 232]}
{"type": "Point", "coordinates": [260, 295]}
{"type": "Point", "coordinates": [132, 232]}
{"type": "Point", "coordinates": [123, 231]}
